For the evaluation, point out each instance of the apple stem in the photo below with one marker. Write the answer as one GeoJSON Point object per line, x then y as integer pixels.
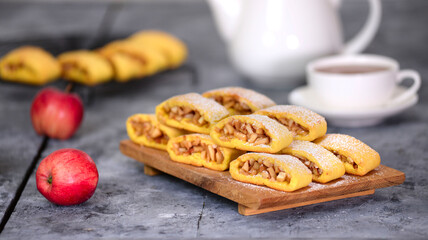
{"type": "Point", "coordinates": [69, 88]}
{"type": "Point", "coordinates": [50, 179]}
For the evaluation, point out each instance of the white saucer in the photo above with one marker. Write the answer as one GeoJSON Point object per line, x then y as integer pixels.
{"type": "Point", "coordinates": [304, 96]}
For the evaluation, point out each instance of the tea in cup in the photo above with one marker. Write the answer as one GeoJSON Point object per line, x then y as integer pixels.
{"type": "Point", "coordinates": [359, 81]}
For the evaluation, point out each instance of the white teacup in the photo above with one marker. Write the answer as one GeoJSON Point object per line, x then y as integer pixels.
{"type": "Point", "coordinates": [359, 81]}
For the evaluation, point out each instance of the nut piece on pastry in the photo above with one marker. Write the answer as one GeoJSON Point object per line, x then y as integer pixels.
{"type": "Point", "coordinates": [191, 112]}
{"type": "Point", "coordinates": [132, 60]}
{"type": "Point", "coordinates": [324, 165]}
{"type": "Point", "coordinates": [303, 123]}
{"type": "Point", "coordinates": [29, 65]}
{"type": "Point", "coordinates": [280, 172]}
{"type": "Point", "coordinates": [144, 129]}
{"type": "Point", "coordinates": [171, 47]}
{"type": "Point", "coordinates": [251, 133]}
{"type": "Point", "coordinates": [358, 158]}
{"type": "Point", "coordinates": [85, 67]}
{"type": "Point", "coordinates": [239, 101]}
{"type": "Point", "coordinates": [199, 150]}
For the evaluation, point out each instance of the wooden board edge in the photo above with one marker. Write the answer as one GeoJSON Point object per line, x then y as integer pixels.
{"type": "Point", "coordinates": [150, 171]}
{"type": "Point", "coordinates": [129, 149]}
{"type": "Point", "coordinates": [396, 178]}
{"type": "Point", "coordinates": [246, 211]}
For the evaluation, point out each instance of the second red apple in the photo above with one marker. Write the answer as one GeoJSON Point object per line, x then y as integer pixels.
{"type": "Point", "coordinates": [56, 114]}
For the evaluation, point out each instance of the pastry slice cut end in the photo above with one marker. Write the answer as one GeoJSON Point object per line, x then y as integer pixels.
{"type": "Point", "coordinates": [200, 150]}
{"type": "Point", "coordinates": [280, 172]}
{"type": "Point", "coordinates": [239, 101]}
{"type": "Point", "coordinates": [29, 65]}
{"type": "Point", "coordinates": [251, 133]}
{"type": "Point", "coordinates": [173, 49]}
{"type": "Point", "coordinates": [85, 67]}
{"type": "Point", "coordinates": [358, 157]}
{"type": "Point", "coordinates": [324, 165]}
{"type": "Point", "coordinates": [191, 112]}
{"type": "Point", "coordinates": [303, 123]}
{"type": "Point", "coordinates": [144, 129]}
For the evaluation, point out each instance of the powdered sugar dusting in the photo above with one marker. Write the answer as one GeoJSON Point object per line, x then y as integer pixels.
{"type": "Point", "coordinates": [256, 99]}
{"type": "Point", "coordinates": [274, 129]}
{"type": "Point", "coordinates": [347, 146]}
{"type": "Point", "coordinates": [209, 109]}
{"type": "Point", "coordinates": [345, 180]}
{"type": "Point", "coordinates": [308, 117]}
{"type": "Point", "coordinates": [325, 159]}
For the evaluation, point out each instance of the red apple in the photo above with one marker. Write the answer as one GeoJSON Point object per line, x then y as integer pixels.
{"type": "Point", "coordinates": [56, 114]}
{"type": "Point", "coordinates": [67, 177]}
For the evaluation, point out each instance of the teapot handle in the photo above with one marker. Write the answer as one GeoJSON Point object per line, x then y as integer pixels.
{"type": "Point", "coordinates": [366, 34]}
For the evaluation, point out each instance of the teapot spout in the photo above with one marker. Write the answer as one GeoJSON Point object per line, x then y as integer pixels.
{"type": "Point", "coordinates": [226, 16]}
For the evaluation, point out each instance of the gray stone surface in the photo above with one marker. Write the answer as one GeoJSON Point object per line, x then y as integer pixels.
{"type": "Point", "coordinates": [128, 204]}
{"type": "Point", "coordinates": [18, 141]}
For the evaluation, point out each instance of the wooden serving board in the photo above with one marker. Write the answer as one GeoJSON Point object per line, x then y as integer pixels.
{"type": "Point", "coordinates": [254, 199]}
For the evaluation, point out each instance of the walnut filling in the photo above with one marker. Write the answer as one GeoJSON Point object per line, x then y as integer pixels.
{"type": "Point", "coordinates": [346, 159]}
{"type": "Point", "coordinates": [264, 168]}
{"type": "Point", "coordinates": [147, 129]}
{"type": "Point", "coordinates": [293, 127]}
{"type": "Point", "coordinates": [233, 102]}
{"type": "Point", "coordinates": [186, 113]}
{"type": "Point", "coordinates": [134, 57]}
{"type": "Point", "coordinates": [312, 166]}
{"type": "Point", "coordinates": [69, 66]}
{"type": "Point", "coordinates": [209, 152]}
{"type": "Point", "coordinates": [13, 66]}
{"type": "Point", "coordinates": [243, 131]}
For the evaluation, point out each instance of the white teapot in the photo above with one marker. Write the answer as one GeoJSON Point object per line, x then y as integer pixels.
{"type": "Point", "coordinates": [271, 41]}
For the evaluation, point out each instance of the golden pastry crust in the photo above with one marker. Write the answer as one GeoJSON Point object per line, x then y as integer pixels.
{"type": "Point", "coordinates": [133, 60]}
{"type": "Point", "coordinates": [305, 124]}
{"type": "Point", "coordinates": [324, 165]}
{"type": "Point", "coordinates": [191, 112]}
{"type": "Point", "coordinates": [200, 150]}
{"type": "Point", "coordinates": [251, 133]}
{"type": "Point", "coordinates": [358, 158]}
{"type": "Point", "coordinates": [85, 67]}
{"type": "Point", "coordinates": [239, 101]}
{"type": "Point", "coordinates": [29, 65]}
{"type": "Point", "coordinates": [171, 47]}
{"type": "Point", "coordinates": [144, 129]}
{"type": "Point", "coordinates": [280, 172]}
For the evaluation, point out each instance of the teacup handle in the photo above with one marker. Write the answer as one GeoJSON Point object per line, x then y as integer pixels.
{"type": "Point", "coordinates": [366, 34]}
{"type": "Point", "coordinates": [404, 74]}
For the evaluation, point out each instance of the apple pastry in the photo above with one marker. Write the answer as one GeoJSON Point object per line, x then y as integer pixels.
{"type": "Point", "coordinates": [303, 123]}
{"type": "Point", "coordinates": [280, 172]}
{"type": "Point", "coordinates": [358, 158]}
{"type": "Point", "coordinates": [200, 150]}
{"type": "Point", "coordinates": [85, 67]}
{"type": "Point", "coordinates": [255, 133]}
{"type": "Point", "coordinates": [145, 129]}
{"type": "Point", "coordinates": [324, 165]}
{"type": "Point", "coordinates": [191, 112]}
{"type": "Point", "coordinates": [133, 60]}
{"type": "Point", "coordinates": [173, 49]}
{"type": "Point", "coordinates": [239, 101]}
{"type": "Point", "coordinates": [29, 65]}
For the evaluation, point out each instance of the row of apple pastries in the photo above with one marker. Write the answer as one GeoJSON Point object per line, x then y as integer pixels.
{"type": "Point", "coordinates": [288, 145]}
{"type": "Point", "coordinates": [143, 54]}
